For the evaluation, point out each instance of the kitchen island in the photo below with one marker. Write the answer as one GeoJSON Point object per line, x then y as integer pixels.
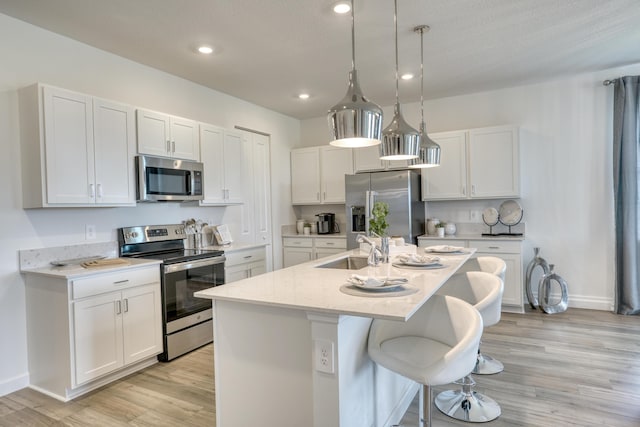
{"type": "Point", "coordinates": [290, 347]}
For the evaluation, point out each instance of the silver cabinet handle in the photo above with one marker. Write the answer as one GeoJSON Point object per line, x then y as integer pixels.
{"type": "Point", "coordinates": [329, 243]}
{"type": "Point", "coordinates": [248, 257]}
{"type": "Point", "coordinates": [126, 305]}
{"type": "Point", "coordinates": [118, 307]}
{"type": "Point", "coordinates": [473, 189]}
{"type": "Point", "coordinates": [119, 282]}
{"type": "Point", "coordinates": [100, 190]}
{"type": "Point", "coordinates": [92, 191]}
{"type": "Point", "coordinates": [464, 190]}
{"type": "Point", "coordinates": [168, 146]}
{"type": "Point", "coordinates": [173, 149]}
{"type": "Point", "coordinates": [494, 247]}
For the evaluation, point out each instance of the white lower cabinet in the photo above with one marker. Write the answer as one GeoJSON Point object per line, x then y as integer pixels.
{"type": "Point", "coordinates": [297, 250]}
{"type": "Point", "coordinates": [510, 252]}
{"type": "Point", "coordinates": [85, 332]}
{"type": "Point", "coordinates": [244, 263]}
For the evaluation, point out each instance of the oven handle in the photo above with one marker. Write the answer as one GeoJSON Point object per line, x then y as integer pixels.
{"type": "Point", "coordinates": [172, 268]}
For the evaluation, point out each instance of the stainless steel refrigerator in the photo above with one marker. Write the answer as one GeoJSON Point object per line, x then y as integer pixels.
{"type": "Point", "coordinates": [400, 189]}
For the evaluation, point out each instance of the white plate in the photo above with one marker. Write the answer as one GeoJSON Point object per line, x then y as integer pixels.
{"type": "Point", "coordinates": [384, 288]}
{"type": "Point", "coordinates": [443, 250]}
{"type": "Point", "coordinates": [417, 264]}
{"type": "Point", "coordinates": [421, 266]}
{"type": "Point", "coordinates": [490, 216]}
{"type": "Point", "coordinates": [510, 212]}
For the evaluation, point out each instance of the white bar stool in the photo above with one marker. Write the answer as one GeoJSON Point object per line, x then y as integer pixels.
{"type": "Point", "coordinates": [435, 346]}
{"type": "Point", "coordinates": [486, 365]}
{"type": "Point", "coordinates": [484, 292]}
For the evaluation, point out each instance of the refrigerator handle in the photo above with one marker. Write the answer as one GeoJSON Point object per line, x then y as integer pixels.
{"type": "Point", "coordinates": [370, 200]}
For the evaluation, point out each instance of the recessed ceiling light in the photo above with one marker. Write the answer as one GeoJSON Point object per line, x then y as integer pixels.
{"type": "Point", "coordinates": [303, 96]}
{"type": "Point", "coordinates": [406, 76]}
{"type": "Point", "coordinates": [205, 49]}
{"type": "Point", "coordinates": [342, 7]}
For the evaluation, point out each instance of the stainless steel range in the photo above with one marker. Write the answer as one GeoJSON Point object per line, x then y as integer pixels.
{"type": "Point", "coordinates": [187, 320]}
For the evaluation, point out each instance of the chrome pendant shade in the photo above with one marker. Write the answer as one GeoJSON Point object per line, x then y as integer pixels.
{"type": "Point", "coordinates": [429, 155]}
{"type": "Point", "coordinates": [399, 140]}
{"type": "Point", "coordinates": [354, 121]}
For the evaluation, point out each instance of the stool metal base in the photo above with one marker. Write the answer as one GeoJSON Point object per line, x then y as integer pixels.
{"type": "Point", "coordinates": [487, 365]}
{"type": "Point", "coordinates": [467, 405]}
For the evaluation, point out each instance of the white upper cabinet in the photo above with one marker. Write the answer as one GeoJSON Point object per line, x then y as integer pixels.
{"type": "Point", "coordinates": [164, 135]}
{"type": "Point", "coordinates": [221, 154]}
{"type": "Point", "coordinates": [317, 174]}
{"type": "Point", "coordinates": [368, 159]}
{"type": "Point", "coordinates": [494, 162]}
{"type": "Point", "coordinates": [478, 163]}
{"type": "Point", "coordinates": [76, 150]}
{"type": "Point", "coordinates": [449, 180]}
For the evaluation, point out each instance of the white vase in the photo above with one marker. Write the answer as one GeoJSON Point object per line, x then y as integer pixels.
{"type": "Point", "coordinates": [300, 226]}
{"type": "Point", "coordinates": [450, 229]}
{"type": "Point", "coordinates": [440, 231]}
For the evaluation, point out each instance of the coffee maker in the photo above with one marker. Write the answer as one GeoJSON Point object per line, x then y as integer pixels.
{"type": "Point", "coordinates": [326, 223]}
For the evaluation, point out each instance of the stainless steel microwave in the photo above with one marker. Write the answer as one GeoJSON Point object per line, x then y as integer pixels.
{"type": "Point", "coordinates": [163, 180]}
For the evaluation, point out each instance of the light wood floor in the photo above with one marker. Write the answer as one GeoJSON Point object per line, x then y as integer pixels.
{"type": "Point", "coordinates": [579, 368]}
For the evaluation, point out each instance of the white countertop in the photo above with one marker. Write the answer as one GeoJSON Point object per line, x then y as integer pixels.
{"type": "Point", "coordinates": [234, 247]}
{"type": "Point", "coordinates": [294, 234]}
{"type": "Point", "coordinates": [305, 287]}
{"type": "Point", "coordinates": [74, 271]}
{"type": "Point", "coordinates": [469, 236]}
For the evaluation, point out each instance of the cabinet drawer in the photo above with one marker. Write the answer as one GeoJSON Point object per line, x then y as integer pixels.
{"type": "Point", "coordinates": [244, 256]}
{"type": "Point", "coordinates": [496, 246]}
{"type": "Point", "coordinates": [297, 242]}
{"type": "Point", "coordinates": [98, 284]}
{"type": "Point", "coordinates": [333, 242]}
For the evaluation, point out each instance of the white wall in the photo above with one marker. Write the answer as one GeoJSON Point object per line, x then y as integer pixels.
{"type": "Point", "coordinates": [30, 54]}
{"type": "Point", "coordinates": [566, 170]}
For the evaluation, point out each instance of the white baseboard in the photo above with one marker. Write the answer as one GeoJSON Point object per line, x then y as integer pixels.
{"type": "Point", "coordinates": [14, 384]}
{"type": "Point", "coordinates": [592, 303]}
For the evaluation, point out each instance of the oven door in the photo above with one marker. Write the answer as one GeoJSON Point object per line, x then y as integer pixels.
{"type": "Point", "coordinates": [181, 280]}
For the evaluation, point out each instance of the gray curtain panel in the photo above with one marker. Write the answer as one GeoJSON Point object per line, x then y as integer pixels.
{"type": "Point", "coordinates": [626, 145]}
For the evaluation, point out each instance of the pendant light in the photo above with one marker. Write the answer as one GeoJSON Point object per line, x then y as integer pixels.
{"type": "Point", "coordinates": [399, 140]}
{"type": "Point", "coordinates": [355, 121]}
{"type": "Point", "coordinates": [429, 149]}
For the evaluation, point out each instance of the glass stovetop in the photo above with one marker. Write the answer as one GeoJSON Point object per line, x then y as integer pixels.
{"type": "Point", "coordinates": [181, 255]}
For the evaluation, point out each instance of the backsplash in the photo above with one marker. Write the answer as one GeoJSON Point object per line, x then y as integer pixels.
{"type": "Point", "coordinates": [36, 258]}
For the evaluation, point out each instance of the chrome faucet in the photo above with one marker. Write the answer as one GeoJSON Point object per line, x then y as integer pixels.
{"type": "Point", "coordinates": [376, 255]}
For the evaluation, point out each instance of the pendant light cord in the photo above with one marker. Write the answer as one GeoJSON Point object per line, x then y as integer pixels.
{"type": "Point", "coordinates": [422, 125]}
{"type": "Point", "coordinates": [353, 39]}
{"type": "Point", "coordinates": [395, 22]}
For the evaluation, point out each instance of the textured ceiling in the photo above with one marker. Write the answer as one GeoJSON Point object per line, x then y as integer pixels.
{"type": "Point", "coordinates": [270, 50]}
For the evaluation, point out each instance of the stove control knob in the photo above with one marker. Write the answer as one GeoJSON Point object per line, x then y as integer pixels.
{"type": "Point", "coordinates": [134, 234]}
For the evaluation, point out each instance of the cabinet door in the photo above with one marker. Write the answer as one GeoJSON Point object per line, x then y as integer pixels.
{"type": "Point", "coordinates": [154, 135]}
{"type": "Point", "coordinates": [323, 252]}
{"type": "Point", "coordinates": [114, 144]}
{"type": "Point", "coordinates": [367, 159]}
{"type": "Point", "coordinates": [184, 138]}
{"type": "Point", "coordinates": [142, 322]}
{"type": "Point", "coordinates": [261, 170]}
{"type": "Point", "coordinates": [211, 153]}
{"type": "Point", "coordinates": [513, 285]}
{"type": "Point", "coordinates": [494, 159]}
{"type": "Point", "coordinates": [97, 325]}
{"type": "Point", "coordinates": [233, 167]}
{"type": "Point", "coordinates": [293, 256]}
{"type": "Point", "coordinates": [305, 176]}
{"type": "Point", "coordinates": [258, 269]}
{"type": "Point", "coordinates": [68, 129]}
{"type": "Point", "coordinates": [335, 163]}
{"type": "Point", "coordinates": [235, 273]}
{"type": "Point", "coordinates": [449, 180]}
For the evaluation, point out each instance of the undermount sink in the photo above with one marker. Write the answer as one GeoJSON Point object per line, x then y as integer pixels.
{"type": "Point", "coordinates": [347, 263]}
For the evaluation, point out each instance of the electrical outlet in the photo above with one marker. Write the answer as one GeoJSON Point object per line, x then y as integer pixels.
{"type": "Point", "coordinates": [324, 356]}
{"type": "Point", "coordinates": [474, 215]}
{"type": "Point", "coordinates": [90, 232]}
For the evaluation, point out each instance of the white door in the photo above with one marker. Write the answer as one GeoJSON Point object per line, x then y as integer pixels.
{"type": "Point", "coordinates": [513, 289]}
{"type": "Point", "coordinates": [114, 144]}
{"type": "Point", "coordinates": [97, 338]}
{"type": "Point", "coordinates": [261, 188]}
{"type": "Point", "coordinates": [154, 135]}
{"type": "Point", "coordinates": [68, 129]}
{"type": "Point", "coordinates": [449, 180]}
{"type": "Point", "coordinates": [184, 139]}
{"type": "Point", "coordinates": [142, 322]}
{"type": "Point", "coordinates": [305, 176]}
{"type": "Point", "coordinates": [335, 163]}
{"type": "Point", "coordinates": [494, 162]}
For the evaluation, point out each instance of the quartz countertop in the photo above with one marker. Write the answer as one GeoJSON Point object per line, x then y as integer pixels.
{"type": "Point", "coordinates": [312, 289]}
{"type": "Point", "coordinates": [234, 247]}
{"type": "Point", "coordinates": [74, 271]}
{"type": "Point", "coordinates": [469, 236]}
{"type": "Point", "coordinates": [322, 236]}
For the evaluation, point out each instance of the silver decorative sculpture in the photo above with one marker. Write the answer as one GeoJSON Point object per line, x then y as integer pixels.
{"type": "Point", "coordinates": [537, 261]}
{"type": "Point", "coordinates": [544, 289]}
